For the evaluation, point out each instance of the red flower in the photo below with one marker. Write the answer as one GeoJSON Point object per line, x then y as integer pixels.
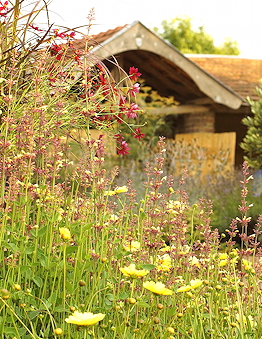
{"type": "Point", "coordinates": [3, 8]}
{"type": "Point", "coordinates": [57, 51]}
{"type": "Point", "coordinates": [119, 137]}
{"type": "Point", "coordinates": [63, 35]}
{"type": "Point", "coordinates": [132, 111]}
{"type": "Point", "coordinates": [138, 135]}
{"type": "Point", "coordinates": [35, 28]}
{"type": "Point", "coordinates": [78, 54]}
{"type": "Point", "coordinates": [59, 35]}
{"type": "Point", "coordinates": [123, 148]}
{"type": "Point", "coordinates": [133, 73]}
{"type": "Point", "coordinates": [134, 89]}
{"type": "Point", "coordinates": [71, 35]}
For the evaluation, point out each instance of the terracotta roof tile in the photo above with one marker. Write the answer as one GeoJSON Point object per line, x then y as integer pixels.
{"type": "Point", "coordinates": [242, 75]}
{"type": "Point", "coordinates": [98, 38]}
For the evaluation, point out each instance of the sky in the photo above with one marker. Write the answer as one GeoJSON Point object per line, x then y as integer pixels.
{"type": "Point", "coordinates": [236, 19]}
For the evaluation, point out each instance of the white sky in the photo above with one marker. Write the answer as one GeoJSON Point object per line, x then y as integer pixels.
{"type": "Point", "coordinates": [237, 19]}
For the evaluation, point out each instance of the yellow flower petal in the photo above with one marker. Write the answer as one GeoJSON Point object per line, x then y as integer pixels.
{"type": "Point", "coordinates": [195, 283]}
{"type": "Point", "coordinates": [157, 288]}
{"type": "Point", "coordinates": [131, 246]}
{"type": "Point", "coordinates": [84, 319]}
{"type": "Point", "coordinates": [185, 288]}
{"type": "Point", "coordinates": [122, 189]}
{"type": "Point", "coordinates": [131, 271]}
{"type": "Point", "coordinates": [65, 233]}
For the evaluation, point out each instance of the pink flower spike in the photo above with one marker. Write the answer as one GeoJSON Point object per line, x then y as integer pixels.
{"type": "Point", "coordinates": [133, 73]}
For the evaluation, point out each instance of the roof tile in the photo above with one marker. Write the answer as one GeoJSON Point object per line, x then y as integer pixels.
{"type": "Point", "coordinates": [242, 75]}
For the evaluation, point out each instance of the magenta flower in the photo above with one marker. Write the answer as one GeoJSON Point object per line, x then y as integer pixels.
{"type": "Point", "coordinates": [132, 111]}
{"type": "Point", "coordinates": [133, 73]}
{"type": "Point", "coordinates": [137, 134]}
{"type": "Point", "coordinates": [3, 8]}
{"type": "Point", "coordinates": [123, 148]}
{"type": "Point", "coordinates": [134, 89]}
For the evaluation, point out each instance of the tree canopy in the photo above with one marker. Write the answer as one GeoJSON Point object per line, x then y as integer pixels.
{"type": "Point", "coordinates": [180, 33]}
{"type": "Point", "coordinates": [252, 143]}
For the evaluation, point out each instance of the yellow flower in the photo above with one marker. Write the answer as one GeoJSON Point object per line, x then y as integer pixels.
{"type": "Point", "coordinates": [84, 319]}
{"type": "Point", "coordinates": [157, 288]}
{"type": "Point", "coordinates": [165, 249]}
{"type": "Point", "coordinates": [222, 256]}
{"type": "Point", "coordinates": [113, 217]}
{"type": "Point", "coordinates": [185, 288]}
{"type": "Point", "coordinates": [248, 266]}
{"type": "Point", "coordinates": [195, 283]}
{"type": "Point", "coordinates": [131, 271]}
{"type": "Point", "coordinates": [223, 262]}
{"type": "Point", "coordinates": [164, 262]}
{"type": "Point", "coordinates": [246, 320]}
{"type": "Point", "coordinates": [194, 261]}
{"type": "Point", "coordinates": [175, 206]}
{"type": "Point", "coordinates": [131, 246]}
{"type": "Point", "coordinates": [122, 189]}
{"type": "Point", "coordinates": [185, 249]}
{"type": "Point", "coordinates": [109, 193]}
{"type": "Point", "coordinates": [65, 233]}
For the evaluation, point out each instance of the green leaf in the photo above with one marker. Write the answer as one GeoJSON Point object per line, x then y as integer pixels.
{"type": "Point", "coordinates": [38, 281]}
{"type": "Point", "coordinates": [110, 297]}
{"type": "Point", "coordinates": [10, 331]}
{"type": "Point", "coordinates": [24, 268]}
{"type": "Point", "coordinates": [22, 331]}
{"type": "Point", "coordinates": [10, 246]}
{"type": "Point", "coordinates": [42, 258]}
{"type": "Point", "coordinates": [69, 287]}
{"type": "Point", "coordinates": [42, 231]}
{"type": "Point", "coordinates": [123, 295]}
{"type": "Point", "coordinates": [53, 297]}
{"type": "Point", "coordinates": [33, 314]}
{"type": "Point", "coordinates": [142, 304]}
{"type": "Point", "coordinates": [60, 309]}
{"type": "Point", "coordinates": [71, 249]}
{"type": "Point", "coordinates": [108, 302]}
{"type": "Point", "coordinates": [29, 250]}
{"type": "Point", "coordinates": [148, 266]}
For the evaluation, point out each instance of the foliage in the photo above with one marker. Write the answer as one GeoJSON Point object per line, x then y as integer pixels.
{"type": "Point", "coordinates": [84, 258]}
{"type": "Point", "coordinates": [252, 143]}
{"type": "Point", "coordinates": [180, 33]}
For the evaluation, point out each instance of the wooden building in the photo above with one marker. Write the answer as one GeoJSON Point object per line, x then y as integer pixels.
{"type": "Point", "coordinates": [211, 90]}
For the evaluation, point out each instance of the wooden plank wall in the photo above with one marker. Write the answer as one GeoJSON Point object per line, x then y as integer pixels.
{"type": "Point", "coordinates": [214, 152]}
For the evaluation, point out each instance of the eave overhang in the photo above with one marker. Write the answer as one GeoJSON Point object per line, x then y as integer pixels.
{"type": "Point", "coordinates": [138, 37]}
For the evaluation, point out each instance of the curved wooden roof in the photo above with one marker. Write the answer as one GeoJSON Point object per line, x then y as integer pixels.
{"type": "Point", "coordinates": [165, 68]}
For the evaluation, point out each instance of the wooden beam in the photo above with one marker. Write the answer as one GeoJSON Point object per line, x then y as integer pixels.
{"type": "Point", "coordinates": [200, 101]}
{"type": "Point", "coordinates": [180, 109]}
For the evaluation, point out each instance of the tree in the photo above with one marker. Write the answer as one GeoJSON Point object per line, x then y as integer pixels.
{"type": "Point", "coordinates": [180, 33]}
{"type": "Point", "coordinates": [252, 143]}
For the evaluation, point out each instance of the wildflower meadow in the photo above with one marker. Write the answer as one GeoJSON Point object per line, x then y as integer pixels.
{"type": "Point", "coordinates": [81, 256]}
